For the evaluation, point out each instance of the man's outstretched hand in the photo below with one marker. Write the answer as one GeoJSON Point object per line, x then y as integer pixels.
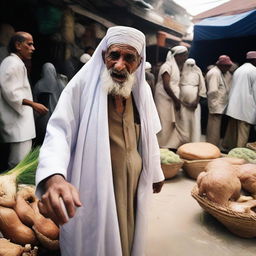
{"type": "Point", "coordinates": [50, 205]}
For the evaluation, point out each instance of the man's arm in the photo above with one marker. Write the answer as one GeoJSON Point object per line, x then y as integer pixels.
{"type": "Point", "coordinates": [39, 108]}
{"type": "Point", "coordinates": [166, 81]}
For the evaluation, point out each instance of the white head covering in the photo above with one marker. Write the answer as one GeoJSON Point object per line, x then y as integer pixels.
{"type": "Point", "coordinates": [148, 65]}
{"type": "Point", "coordinates": [84, 156]}
{"type": "Point", "coordinates": [85, 58]}
{"type": "Point", "coordinates": [126, 35]}
{"type": "Point", "coordinates": [190, 61]}
{"type": "Point", "coordinates": [175, 50]}
{"type": "Point", "coordinates": [179, 49]}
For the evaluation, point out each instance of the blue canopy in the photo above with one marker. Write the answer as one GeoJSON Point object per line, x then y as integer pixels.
{"type": "Point", "coordinates": [239, 25]}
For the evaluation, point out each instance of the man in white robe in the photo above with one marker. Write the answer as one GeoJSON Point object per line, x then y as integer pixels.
{"type": "Point", "coordinates": [17, 127]}
{"type": "Point", "coordinates": [75, 159]}
{"type": "Point", "coordinates": [192, 87]}
{"type": "Point", "coordinates": [218, 83]}
{"type": "Point", "coordinates": [242, 104]}
{"type": "Point", "coordinates": [167, 94]}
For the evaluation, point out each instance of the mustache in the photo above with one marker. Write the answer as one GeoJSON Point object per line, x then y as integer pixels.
{"type": "Point", "coordinates": [120, 74]}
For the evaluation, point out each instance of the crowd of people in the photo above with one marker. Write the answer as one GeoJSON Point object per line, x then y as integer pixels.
{"type": "Point", "coordinates": [229, 93]}
{"type": "Point", "coordinates": [100, 134]}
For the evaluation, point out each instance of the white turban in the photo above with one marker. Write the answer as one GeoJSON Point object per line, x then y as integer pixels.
{"type": "Point", "coordinates": [147, 65]}
{"type": "Point", "coordinates": [190, 61]}
{"type": "Point", "coordinates": [85, 57]}
{"type": "Point", "coordinates": [179, 49]}
{"type": "Point", "coordinates": [126, 35]}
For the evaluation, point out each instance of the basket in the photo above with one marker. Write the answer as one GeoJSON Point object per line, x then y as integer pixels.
{"type": "Point", "coordinates": [194, 167]}
{"type": "Point", "coordinates": [240, 224]}
{"type": "Point", "coordinates": [251, 145]}
{"type": "Point", "coordinates": [170, 170]}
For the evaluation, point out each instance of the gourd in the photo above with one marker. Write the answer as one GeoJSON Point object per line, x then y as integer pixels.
{"type": "Point", "coordinates": [12, 228]}
{"type": "Point", "coordinates": [26, 208]}
{"type": "Point", "coordinates": [10, 249]}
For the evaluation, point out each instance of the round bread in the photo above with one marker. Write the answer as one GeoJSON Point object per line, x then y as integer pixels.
{"type": "Point", "coordinates": [198, 151]}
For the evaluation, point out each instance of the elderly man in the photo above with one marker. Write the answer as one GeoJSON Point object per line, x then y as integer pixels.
{"type": "Point", "coordinates": [218, 81]}
{"type": "Point", "coordinates": [101, 140]}
{"type": "Point", "coordinates": [242, 104]}
{"type": "Point", "coordinates": [167, 94]}
{"type": "Point", "coordinates": [17, 128]}
{"type": "Point", "coordinates": [192, 87]}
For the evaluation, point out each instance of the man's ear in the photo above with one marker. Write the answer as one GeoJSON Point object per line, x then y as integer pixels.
{"type": "Point", "coordinates": [18, 46]}
{"type": "Point", "coordinates": [103, 55]}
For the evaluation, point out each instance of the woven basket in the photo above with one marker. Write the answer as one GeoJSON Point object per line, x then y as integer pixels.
{"type": "Point", "coordinates": [251, 145]}
{"type": "Point", "coordinates": [194, 167]}
{"type": "Point", "coordinates": [170, 170]}
{"type": "Point", "coordinates": [241, 224]}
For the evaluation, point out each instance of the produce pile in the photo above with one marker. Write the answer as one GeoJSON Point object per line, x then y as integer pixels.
{"type": "Point", "coordinates": [243, 153]}
{"type": "Point", "coordinates": [20, 220]}
{"type": "Point", "coordinates": [168, 157]}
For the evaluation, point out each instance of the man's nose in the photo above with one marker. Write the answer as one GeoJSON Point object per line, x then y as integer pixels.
{"type": "Point", "coordinates": [120, 64]}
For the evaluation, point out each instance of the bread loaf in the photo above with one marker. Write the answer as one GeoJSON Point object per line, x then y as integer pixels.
{"type": "Point", "coordinates": [198, 151]}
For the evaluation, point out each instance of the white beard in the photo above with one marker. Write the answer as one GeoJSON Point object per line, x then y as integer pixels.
{"type": "Point", "coordinates": [114, 88]}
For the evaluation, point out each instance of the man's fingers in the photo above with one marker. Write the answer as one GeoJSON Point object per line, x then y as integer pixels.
{"type": "Point", "coordinates": [57, 210]}
{"type": "Point", "coordinates": [76, 197]}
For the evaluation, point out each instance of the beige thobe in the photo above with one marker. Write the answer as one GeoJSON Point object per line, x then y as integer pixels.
{"type": "Point", "coordinates": [218, 87]}
{"type": "Point", "coordinates": [126, 167]}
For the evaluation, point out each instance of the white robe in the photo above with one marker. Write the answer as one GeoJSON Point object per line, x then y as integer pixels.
{"type": "Point", "coordinates": [16, 119]}
{"type": "Point", "coordinates": [242, 98]}
{"type": "Point", "coordinates": [169, 137]}
{"type": "Point", "coordinates": [192, 85]}
{"type": "Point", "coordinates": [77, 146]}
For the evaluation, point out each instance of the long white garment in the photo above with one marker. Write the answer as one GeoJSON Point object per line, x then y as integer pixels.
{"type": "Point", "coordinates": [16, 120]}
{"type": "Point", "coordinates": [242, 98]}
{"type": "Point", "coordinates": [218, 87]}
{"type": "Point", "coordinates": [77, 146]}
{"type": "Point", "coordinates": [192, 86]}
{"type": "Point", "coordinates": [169, 136]}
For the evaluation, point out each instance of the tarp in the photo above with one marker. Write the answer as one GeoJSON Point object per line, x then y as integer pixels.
{"type": "Point", "coordinates": [239, 25]}
{"type": "Point", "coordinates": [232, 35]}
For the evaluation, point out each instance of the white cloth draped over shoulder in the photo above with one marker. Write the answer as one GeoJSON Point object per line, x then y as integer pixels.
{"type": "Point", "coordinates": [242, 98]}
{"type": "Point", "coordinates": [169, 136]}
{"type": "Point", "coordinates": [77, 146]}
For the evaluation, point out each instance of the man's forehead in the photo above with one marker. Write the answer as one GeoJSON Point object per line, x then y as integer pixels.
{"type": "Point", "coordinates": [123, 47]}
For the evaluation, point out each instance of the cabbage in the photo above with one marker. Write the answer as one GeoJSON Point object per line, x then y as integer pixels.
{"type": "Point", "coordinates": [243, 153]}
{"type": "Point", "coordinates": [168, 157]}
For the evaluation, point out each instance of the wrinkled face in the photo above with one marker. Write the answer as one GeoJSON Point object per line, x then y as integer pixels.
{"type": "Point", "coordinates": [121, 60]}
{"type": "Point", "coordinates": [25, 48]}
